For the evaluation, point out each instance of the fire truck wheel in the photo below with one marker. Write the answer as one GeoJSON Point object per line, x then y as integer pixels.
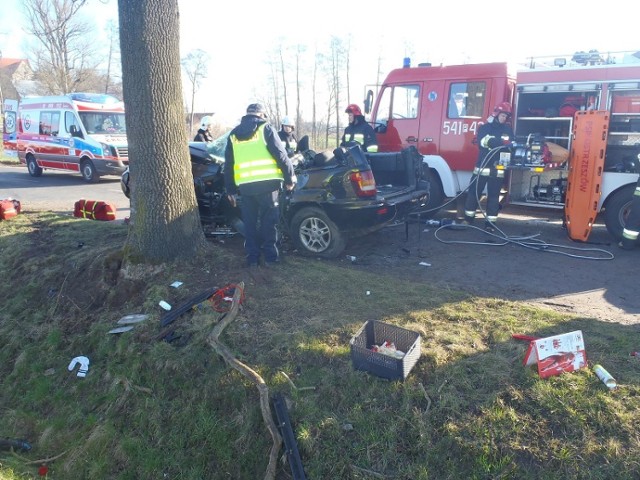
{"type": "Point", "coordinates": [89, 171]}
{"type": "Point", "coordinates": [436, 195]}
{"type": "Point", "coordinates": [32, 165]}
{"type": "Point", "coordinates": [617, 209]}
{"type": "Point", "coordinates": [314, 234]}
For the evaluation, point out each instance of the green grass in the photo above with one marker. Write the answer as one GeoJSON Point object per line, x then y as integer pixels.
{"type": "Point", "coordinates": [151, 409]}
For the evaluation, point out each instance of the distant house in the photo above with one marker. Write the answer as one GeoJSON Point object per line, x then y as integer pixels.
{"type": "Point", "coordinates": [16, 78]}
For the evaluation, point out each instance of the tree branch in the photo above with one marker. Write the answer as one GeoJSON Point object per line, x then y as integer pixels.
{"type": "Point", "coordinates": [252, 375]}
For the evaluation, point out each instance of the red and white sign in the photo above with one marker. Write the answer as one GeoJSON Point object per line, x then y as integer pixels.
{"type": "Point", "coordinates": [557, 354]}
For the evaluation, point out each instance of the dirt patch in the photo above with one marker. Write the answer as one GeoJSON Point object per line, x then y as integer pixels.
{"type": "Point", "coordinates": [539, 265]}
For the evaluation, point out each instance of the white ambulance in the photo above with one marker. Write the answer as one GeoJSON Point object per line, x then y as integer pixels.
{"type": "Point", "coordinates": [78, 132]}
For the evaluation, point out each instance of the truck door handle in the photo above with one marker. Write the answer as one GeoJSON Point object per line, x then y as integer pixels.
{"type": "Point", "coordinates": [427, 139]}
{"type": "Point", "coordinates": [412, 139]}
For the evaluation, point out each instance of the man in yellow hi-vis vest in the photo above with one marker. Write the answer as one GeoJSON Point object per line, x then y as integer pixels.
{"type": "Point", "coordinates": [256, 166]}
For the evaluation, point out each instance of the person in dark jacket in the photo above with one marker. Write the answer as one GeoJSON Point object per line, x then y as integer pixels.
{"type": "Point", "coordinates": [631, 230]}
{"type": "Point", "coordinates": [256, 166]}
{"type": "Point", "coordinates": [494, 137]}
{"type": "Point", "coordinates": [359, 130]}
{"type": "Point", "coordinates": [204, 132]}
{"type": "Point", "coordinates": [288, 137]}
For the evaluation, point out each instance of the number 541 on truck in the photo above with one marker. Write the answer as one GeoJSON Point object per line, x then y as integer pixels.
{"type": "Point", "coordinates": [79, 132]}
{"type": "Point", "coordinates": [438, 109]}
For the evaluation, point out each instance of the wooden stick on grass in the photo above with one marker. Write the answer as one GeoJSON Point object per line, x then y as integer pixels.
{"type": "Point", "coordinates": [252, 375]}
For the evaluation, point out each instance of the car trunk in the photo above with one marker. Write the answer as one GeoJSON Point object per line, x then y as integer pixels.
{"type": "Point", "coordinates": [397, 174]}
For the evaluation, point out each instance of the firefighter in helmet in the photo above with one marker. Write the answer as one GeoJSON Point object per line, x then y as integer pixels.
{"type": "Point", "coordinates": [631, 230]}
{"type": "Point", "coordinates": [493, 137]}
{"type": "Point", "coordinates": [359, 130]}
{"type": "Point", "coordinates": [288, 137]}
{"type": "Point", "coordinates": [204, 132]}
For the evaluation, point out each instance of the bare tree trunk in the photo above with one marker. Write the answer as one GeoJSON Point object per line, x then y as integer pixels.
{"type": "Point", "coordinates": [284, 84]}
{"type": "Point", "coordinates": [165, 221]}
{"type": "Point", "coordinates": [348, 70]}
{"type": "Point", "coordinates": [314, 131]}
{"type": "Point", "coordinates": [335, 71]}
{"type": "Point", "coordinates": [298, 112]}
{"type": "Point", "coordinates": [193, 103]}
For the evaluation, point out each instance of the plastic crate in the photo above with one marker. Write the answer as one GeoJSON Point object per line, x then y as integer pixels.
{"type": "Point", "coordinates": [374, 332]}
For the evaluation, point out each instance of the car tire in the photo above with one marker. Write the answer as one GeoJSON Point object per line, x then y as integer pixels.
{"type": "Point", "coordinates": [436, 194]}
{"type": "Point", "coordinates": [124, 183]}
{"type": "Point", "coordinates": [32, 166]}
{"type": "Point", "coordinates": [315, 234]}
{"type": "Point", "coordinates": [88, 171]}
{"type": "Point", "coordinates": [617, 209]}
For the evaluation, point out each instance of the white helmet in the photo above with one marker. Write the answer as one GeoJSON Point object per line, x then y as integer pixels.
{"type": "Point", "coordinates": [286, 121]}
{"type": "Point", "coordinates": [205, 122]}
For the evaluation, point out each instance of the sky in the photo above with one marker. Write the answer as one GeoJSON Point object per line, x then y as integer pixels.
{"type": "Point", "coordinates": [240, 37]}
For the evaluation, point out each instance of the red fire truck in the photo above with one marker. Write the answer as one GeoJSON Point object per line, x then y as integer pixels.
{"type": "Point", "coordinates": [438, 109]}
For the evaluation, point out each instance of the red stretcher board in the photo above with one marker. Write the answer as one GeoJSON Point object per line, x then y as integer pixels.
{"type": "Point", "coordinates": [586, 163]}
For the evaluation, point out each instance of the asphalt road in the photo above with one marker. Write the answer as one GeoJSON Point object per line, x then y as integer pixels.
{"type": "Point", "coordinates": [59, 191]}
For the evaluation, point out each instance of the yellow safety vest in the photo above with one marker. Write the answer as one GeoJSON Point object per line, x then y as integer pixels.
{"type": "Point", "coordinates": [253, 162]}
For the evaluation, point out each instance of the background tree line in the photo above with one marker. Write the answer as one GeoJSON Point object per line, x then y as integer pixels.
{"type": "Point", "coordinates": [311, 85]}
{"type": "Point", "coordinates": [146, 68]}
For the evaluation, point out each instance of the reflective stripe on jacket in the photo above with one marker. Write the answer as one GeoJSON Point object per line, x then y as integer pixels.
{"type": "Point", "coordinates": [253, 162]}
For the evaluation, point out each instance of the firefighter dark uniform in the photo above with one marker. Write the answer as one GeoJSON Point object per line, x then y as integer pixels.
{"type": "Point", "coordinates": [631, 230]}
{"type": "Point", "coordinates": [491, 136]}
{"type": "Point", "coordinates": [359, 131]}
{"type": "Point", "coordinates": [288, 137]}
{"type": "Point", "coordinates": [204, 134]}
{"type": "Point", "coordinates": [256, 165]}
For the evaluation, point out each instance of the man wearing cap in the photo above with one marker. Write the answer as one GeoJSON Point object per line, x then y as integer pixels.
{"type": "Point", "coordinates": [359, 130]}
{"type": "Point", "coordinates": [256, 165]}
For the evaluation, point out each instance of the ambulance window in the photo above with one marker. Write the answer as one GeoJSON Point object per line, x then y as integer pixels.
{"type": "Point", "coordinates": [405, 101]}
{"type": "Point", "coordinates": [49, 123]}
{"type": "Point", "coordinates": [466, 99]}
{"type": "Point", "coordinates": [70, 120]}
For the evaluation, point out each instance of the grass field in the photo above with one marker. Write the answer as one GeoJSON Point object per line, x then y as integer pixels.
{"type": "Point", "coordinates": [151, 409]}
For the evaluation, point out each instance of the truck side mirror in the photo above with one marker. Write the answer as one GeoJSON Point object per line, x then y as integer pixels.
{"type": "Point", "coordinates": [368, 102]}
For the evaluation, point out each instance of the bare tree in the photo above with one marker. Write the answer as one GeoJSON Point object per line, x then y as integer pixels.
{"type": "Point", "coordinates": [165, 221]}
{"type": "Point", "coordinates": [283, 68]}
{"type": "Point", "coordinates": [195, 66]}
{"type": "Point", "coordinates": [336, 84]}
{"type": "Point", "coordinates": [63, 59]}
{"type": "Point", "coordinates": [113, 60]}
{"type": "Point", "coordinates": [299, 50]}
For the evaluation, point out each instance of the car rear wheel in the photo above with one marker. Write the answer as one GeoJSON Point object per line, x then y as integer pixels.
{"type": "Point", "coordinates": [313, 233]}
{"type": "Point", "coordinates": [32, 166]}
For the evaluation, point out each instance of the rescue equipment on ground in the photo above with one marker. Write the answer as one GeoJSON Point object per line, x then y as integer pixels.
{"type": "Point", "coordinates": [9, 208]}
{"type": "Point", "coordinates": [94, 210]}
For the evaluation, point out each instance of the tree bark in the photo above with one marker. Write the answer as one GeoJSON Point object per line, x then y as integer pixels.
{"type": "Point", "coordinates": [165, 221]}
